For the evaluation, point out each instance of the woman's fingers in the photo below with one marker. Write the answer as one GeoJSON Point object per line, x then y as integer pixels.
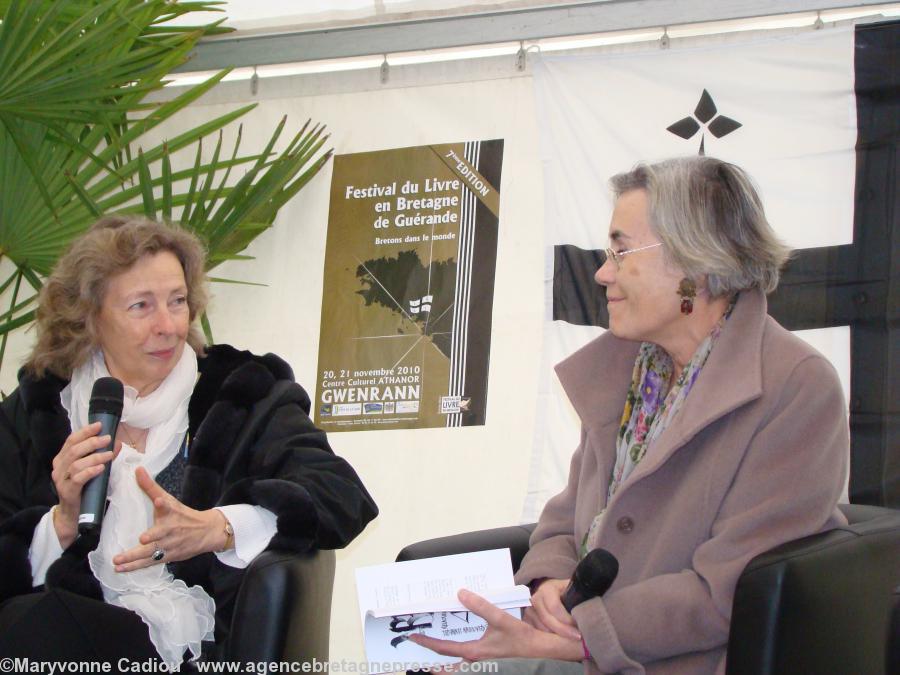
{"type": "Point", "coordinates": [89, 446]}
{"type": "Point", "coordinates": [484, 608]}
{"type": "Point", "coordinates": [64, 457]}
{"type": "Point", "coordinates": [70, 474]}
{"type": "Point", "coordinates": [549, 609]}
{"type": "Point", "coordinates": [92, 458]}
{"type": "Point", "coordinates": [72, 458]}
{"type": "Point", "coordinates": [150, 487]}
{"type": "Point", "coordinates": [554, 624]}
{"type": "Point", "coordinates": [87, 431]}
{"type": "Point", "coordinates": [532, 619]}
{"type": "Point", "coordinates": [470, 650]}
{"type": "Point", "coordinates": [505, 637]}
{"type": "Point", "coordinates": [156, 533]}
{"type": "Point", "coordinates": [177, 530]}
{"type": "Point", "coordinates": [82, 470]}
{"type": "Point", "coordinates": [82, 441]}
{"type": "Point", "coordinates": [142, 556]}
{"type": "Point", "coordinates": [80, 477]}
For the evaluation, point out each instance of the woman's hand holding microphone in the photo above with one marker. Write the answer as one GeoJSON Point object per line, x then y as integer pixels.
{"type": "Point", "coordinates": [74, 465]}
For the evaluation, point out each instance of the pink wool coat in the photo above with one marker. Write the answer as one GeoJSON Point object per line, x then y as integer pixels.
{"type": "Point", "coordinates": [756, 457]}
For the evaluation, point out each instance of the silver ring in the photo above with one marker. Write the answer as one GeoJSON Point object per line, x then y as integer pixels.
{"type": "Point", "coordinates": [158, 554]}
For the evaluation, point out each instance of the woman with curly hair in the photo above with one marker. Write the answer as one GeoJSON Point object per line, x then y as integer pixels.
{"type": "Point", "coordinates": [215, 461]}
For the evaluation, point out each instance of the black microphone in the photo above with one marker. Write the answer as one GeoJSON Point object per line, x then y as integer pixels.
{"type": "Point", "coordinates": [105, 407]}
{"type": "Point", "coordinates": [592, 578]}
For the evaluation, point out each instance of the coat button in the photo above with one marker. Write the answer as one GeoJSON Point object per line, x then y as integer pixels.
{"type": "Point", "coordinates": [625, 525]}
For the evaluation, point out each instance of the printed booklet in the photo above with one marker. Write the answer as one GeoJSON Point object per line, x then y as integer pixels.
{"type": "Point", "coordinates": [419, 596]}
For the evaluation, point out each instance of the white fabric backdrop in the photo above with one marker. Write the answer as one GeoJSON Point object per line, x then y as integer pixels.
{"type": "Point", "coordinates": [427, 482]}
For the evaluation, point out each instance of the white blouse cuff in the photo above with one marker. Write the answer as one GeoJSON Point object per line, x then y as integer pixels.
{"type": "Point", "coordinates": [254, 527]}
{"type": "Point", "coordinates": [45, 549]}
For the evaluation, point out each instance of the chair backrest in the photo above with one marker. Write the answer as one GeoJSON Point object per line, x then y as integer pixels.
{"type": "Point", "coordinates": [820, 604]}
{"type": "Point", "coordinates": [513, 537]}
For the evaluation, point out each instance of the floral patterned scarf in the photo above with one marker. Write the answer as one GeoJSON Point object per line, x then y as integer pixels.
{"type": "Point", "coordinates": [649, 409]}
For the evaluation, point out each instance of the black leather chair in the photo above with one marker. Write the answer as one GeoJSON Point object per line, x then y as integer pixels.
{"type": "Point", "coordinates": [892, 666]}
{"type": "Point", "coordinates": [821, 604]}
{"type": "Point", "coordinates": [283, 609]}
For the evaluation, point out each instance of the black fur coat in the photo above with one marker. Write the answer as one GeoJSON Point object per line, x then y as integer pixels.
{"type": "Point", "coordinates": [252, 442]}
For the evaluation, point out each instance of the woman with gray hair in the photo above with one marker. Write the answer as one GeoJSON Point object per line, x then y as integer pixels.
{"type": "Point", "coordinates": [710, 434]}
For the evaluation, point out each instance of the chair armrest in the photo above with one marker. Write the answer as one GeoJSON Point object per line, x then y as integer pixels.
{"type": "Point", "coordinates": [283, 608]}
{"type": "Point", "coordinates": [515, 538]}
{"type": "Point", "coordinates": [821, 603]}
{"type": "Point", "coordinates": [871, 516]}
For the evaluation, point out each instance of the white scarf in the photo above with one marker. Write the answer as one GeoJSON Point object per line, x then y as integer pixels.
{"type": "Point", "coordinates": [179, 618]}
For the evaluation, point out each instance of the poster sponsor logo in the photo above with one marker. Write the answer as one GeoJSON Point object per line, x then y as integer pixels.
{"type": "Point", "coordinates": [454, 404]}
{"type": "Point", "coordinates": [449, 404]}
{"type": "Point", "coordinates": [346, 409]}
{"type": "Point", "coordinates": [373, 408]}
{"type": "Point", "coordinates": [407, 406]}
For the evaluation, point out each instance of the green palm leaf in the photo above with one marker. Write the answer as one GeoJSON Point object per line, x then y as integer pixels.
{"type": "Point", "coordinates": [74, 80]}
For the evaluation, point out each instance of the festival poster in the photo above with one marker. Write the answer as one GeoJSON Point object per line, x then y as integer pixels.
{"type": "Point", "coordinates": [408, 287]}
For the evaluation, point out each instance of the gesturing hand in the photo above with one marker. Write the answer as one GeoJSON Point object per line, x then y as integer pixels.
{"type": "Point", "coordinates": [506, 637]}
{"type": "Point", "coordinates": [178, 530]}
{"type": "Point", "coordinates": [547, 612]}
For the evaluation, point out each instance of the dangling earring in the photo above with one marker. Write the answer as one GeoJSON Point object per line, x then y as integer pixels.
{"type": "Point", "coordinates": [687, 289]}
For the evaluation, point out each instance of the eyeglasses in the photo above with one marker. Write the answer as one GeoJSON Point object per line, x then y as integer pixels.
{"type": "Point", "coordinates": [617, 256]}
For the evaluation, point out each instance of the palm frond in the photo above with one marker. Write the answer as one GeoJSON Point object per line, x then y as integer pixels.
{"type": "Point", "coordinates": [74, 81]}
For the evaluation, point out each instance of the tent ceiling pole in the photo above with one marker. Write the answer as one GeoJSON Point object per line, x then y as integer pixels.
{"type": "Point", "coordinates": [506, 26]}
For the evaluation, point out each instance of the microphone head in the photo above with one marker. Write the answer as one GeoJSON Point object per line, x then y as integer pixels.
{"type": "Point", "coordinates": [107, 396]}
{"type": "Point", "coordinates": [597, 571]}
